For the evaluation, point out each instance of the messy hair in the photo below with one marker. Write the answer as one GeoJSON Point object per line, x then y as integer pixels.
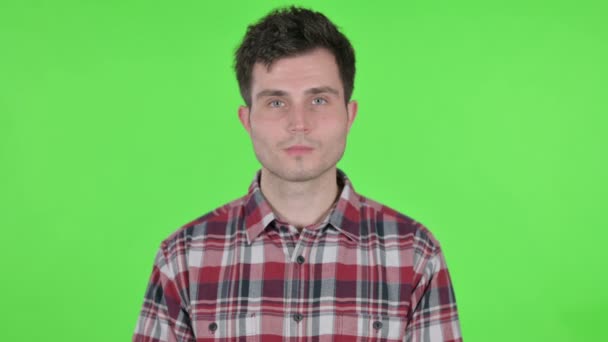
{"type": "Point", "coordinates": [287, 32]}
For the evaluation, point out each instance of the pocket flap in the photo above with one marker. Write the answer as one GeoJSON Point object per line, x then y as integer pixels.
{"type": "Point", "coordinates": [387, 328]}
{"type": "Point", "coordinates": [233, 326]}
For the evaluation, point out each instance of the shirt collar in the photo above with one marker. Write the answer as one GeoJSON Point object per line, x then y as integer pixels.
{"type": "Point", "coordinates": [344, 216]}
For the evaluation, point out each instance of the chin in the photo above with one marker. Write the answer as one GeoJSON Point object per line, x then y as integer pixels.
{"type": "Point", "coordinates": [298, 174]}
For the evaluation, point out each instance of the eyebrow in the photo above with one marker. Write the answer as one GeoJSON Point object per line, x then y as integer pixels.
{"type": "Point", "coordinates": [321, 90]}
{"type": "Point", "coordinates": [313, 91]}
{"type": "Point", "coordinates": [270, 92]}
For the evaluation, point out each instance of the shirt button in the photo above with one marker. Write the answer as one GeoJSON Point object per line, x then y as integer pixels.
{"type": "Point", "coordinates": [213, 326]}
{"type": "Point", "coordinates": [300, 259]}
{"type": "Point", "coordinates": [377, 325]}
{"type": "Point", "coordinates": [297, 317]}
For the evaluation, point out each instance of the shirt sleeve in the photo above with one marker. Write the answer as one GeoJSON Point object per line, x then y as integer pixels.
{"type": "Point", "coordinates": [163, 317]}
{"type": "Point", "coordinates": [434, 317]}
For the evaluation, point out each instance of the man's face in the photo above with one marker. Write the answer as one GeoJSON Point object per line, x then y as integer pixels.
{"type": "Point", "coordinates": [298, 121]}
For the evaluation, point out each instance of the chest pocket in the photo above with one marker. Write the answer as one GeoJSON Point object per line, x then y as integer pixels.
{"type": "Point", "coordinates": [236, 327]}
{"type": "Point", "coordinates": [371, 328]}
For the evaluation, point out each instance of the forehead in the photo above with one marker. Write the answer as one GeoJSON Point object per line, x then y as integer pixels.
{"type": "Point", "coordinates": [316, 68]}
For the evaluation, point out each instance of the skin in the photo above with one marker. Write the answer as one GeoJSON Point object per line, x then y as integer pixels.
{"type": "Point", "coordinates": [299, 101]}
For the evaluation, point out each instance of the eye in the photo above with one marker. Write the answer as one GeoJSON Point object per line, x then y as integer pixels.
{"type": "Point", "coordinates": [319, 101]}
{"type": "Point", "coordinates": [276, 103]}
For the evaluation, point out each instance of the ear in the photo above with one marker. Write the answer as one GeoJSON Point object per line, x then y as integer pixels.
{"type": "Point", "coordinates": [351, 111]}
{"type": "Point", "coordinates": [244, 118]}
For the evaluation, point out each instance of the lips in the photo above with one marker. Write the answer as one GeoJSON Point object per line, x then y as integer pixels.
{"type": "Point", "coordinates": [299, 150]}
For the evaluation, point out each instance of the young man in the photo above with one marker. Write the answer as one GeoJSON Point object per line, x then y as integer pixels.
{"type": "Point", "coordinates": [302, 256]}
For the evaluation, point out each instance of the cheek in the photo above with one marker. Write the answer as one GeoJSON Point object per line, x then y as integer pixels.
{"type": "Point", "coordinates": [264, 123]}
{"type": "Point", "coordinates": [263, 137]}
{"type": "Point", "coordinates": [334, 129]}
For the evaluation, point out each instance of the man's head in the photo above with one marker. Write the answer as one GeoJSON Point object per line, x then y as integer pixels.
{"type": "Point", "coordinates": [290, 32]}
{"type": "Point", "coordinates": [297, 114]}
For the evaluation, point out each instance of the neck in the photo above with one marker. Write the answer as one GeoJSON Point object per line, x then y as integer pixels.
{"type": "Point", "coordinates": [300, 203]}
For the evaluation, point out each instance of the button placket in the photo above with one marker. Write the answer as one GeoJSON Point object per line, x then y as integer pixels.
{"type": "Point", "coordinates": [299, 246]}
{"type": "Point", "coordinates": [300, 250]}
{"type": "Point", "coordinates": [303, 247]}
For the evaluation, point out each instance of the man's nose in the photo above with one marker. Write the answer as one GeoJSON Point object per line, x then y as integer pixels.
{"type": "Point", "coordinates": [299, 120]}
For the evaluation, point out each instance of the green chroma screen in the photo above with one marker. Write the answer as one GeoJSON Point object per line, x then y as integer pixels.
{"type": "Point", "coordinates": [485, 121]}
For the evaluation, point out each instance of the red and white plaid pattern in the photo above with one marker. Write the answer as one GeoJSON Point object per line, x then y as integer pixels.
{"type": "Point", "coordinates": [366, 273]}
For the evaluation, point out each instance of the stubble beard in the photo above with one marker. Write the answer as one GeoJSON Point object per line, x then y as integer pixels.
{"type": "Point", "coordinates": [300, 172]}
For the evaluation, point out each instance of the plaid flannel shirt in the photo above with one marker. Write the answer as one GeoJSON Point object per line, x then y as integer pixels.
{"type": "Point", "coordinates": [238, 273]}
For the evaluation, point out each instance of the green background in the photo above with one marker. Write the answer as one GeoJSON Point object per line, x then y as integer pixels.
{"type": "Point", "coordinates": [486, 121]}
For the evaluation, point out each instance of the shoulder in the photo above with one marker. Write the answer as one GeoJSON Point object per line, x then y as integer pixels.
{"type": "Point", "coordinates": [217, 222]}
{"type": "Point", "coordinates": [390, 223]}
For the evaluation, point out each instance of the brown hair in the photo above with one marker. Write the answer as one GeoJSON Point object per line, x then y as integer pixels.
{"type": "Point", "coordinates": [291, 31]}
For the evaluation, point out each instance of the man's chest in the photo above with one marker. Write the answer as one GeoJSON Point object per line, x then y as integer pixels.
{"type": "Point", "coordinates": [325, 286]}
